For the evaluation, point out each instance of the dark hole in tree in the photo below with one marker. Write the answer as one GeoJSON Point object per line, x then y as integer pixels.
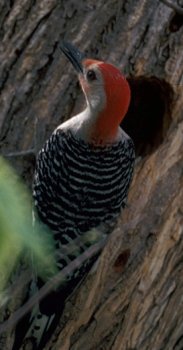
{"type": "Point", "coordinates": [121, 260]}
{"type": "Point", "coordinates": [149, 114]}
{"type": "Point", "coordinates": [176, 22]}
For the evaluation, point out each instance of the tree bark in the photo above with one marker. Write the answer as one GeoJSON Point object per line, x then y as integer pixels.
{"type": "Point", "coordinates": [133, 298]}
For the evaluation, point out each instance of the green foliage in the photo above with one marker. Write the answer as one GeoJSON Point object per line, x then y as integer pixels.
{"type": "Point", "coordinates": [17, 236]}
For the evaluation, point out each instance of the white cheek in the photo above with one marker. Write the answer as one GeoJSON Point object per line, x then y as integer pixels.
{"type": "Point", "coordinates": [97, 98]}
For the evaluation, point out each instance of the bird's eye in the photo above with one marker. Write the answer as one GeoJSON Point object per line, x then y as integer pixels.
{"type": "Point", "coordinates": [91, 75]}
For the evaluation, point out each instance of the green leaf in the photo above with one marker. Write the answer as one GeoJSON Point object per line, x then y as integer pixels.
{"type": "Point", "coordinates": [17, 235]}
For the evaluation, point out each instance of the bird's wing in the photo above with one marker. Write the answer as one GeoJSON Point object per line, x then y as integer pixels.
{"type": "Point", "coordinates": [124, 177]}
{"type": "Point", "coordinates": [49, 163]}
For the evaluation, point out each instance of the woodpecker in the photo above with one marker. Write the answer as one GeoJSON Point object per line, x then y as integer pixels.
{"type": "Point", "coordinates": [84, 170]}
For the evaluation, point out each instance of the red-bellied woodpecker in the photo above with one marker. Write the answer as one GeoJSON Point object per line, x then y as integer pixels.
{"type": "Point", "coordinates": [84, 170]}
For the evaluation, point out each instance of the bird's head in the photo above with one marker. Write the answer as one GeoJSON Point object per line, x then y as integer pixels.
{"type": "Point", "coordinates": [106, 90]}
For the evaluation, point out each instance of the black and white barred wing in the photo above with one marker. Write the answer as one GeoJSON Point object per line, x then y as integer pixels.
{"type": "Point", "coordinates": [122, 180]}
{"type": "Point", "coordinates": [127, 167]}
{"type": "Point", "coordinates": [47, 173]}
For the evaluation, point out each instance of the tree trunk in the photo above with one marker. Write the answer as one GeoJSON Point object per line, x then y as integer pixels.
{"type": "Point", "coordinates": [133, 299]}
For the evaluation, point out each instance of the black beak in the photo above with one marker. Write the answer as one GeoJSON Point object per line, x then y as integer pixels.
{"type": "Point", "coordinates": [73, 54]}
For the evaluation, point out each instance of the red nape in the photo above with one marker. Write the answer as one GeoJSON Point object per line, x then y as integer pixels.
{"type": "Point", "coordinates": [117, 101]}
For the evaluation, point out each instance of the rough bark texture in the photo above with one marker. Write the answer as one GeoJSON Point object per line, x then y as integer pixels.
{"type": "Point", "coordinates": [134, 298]}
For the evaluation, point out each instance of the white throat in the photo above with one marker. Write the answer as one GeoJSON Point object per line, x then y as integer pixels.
{"type": "Point", "coordinates": [81, 124]}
